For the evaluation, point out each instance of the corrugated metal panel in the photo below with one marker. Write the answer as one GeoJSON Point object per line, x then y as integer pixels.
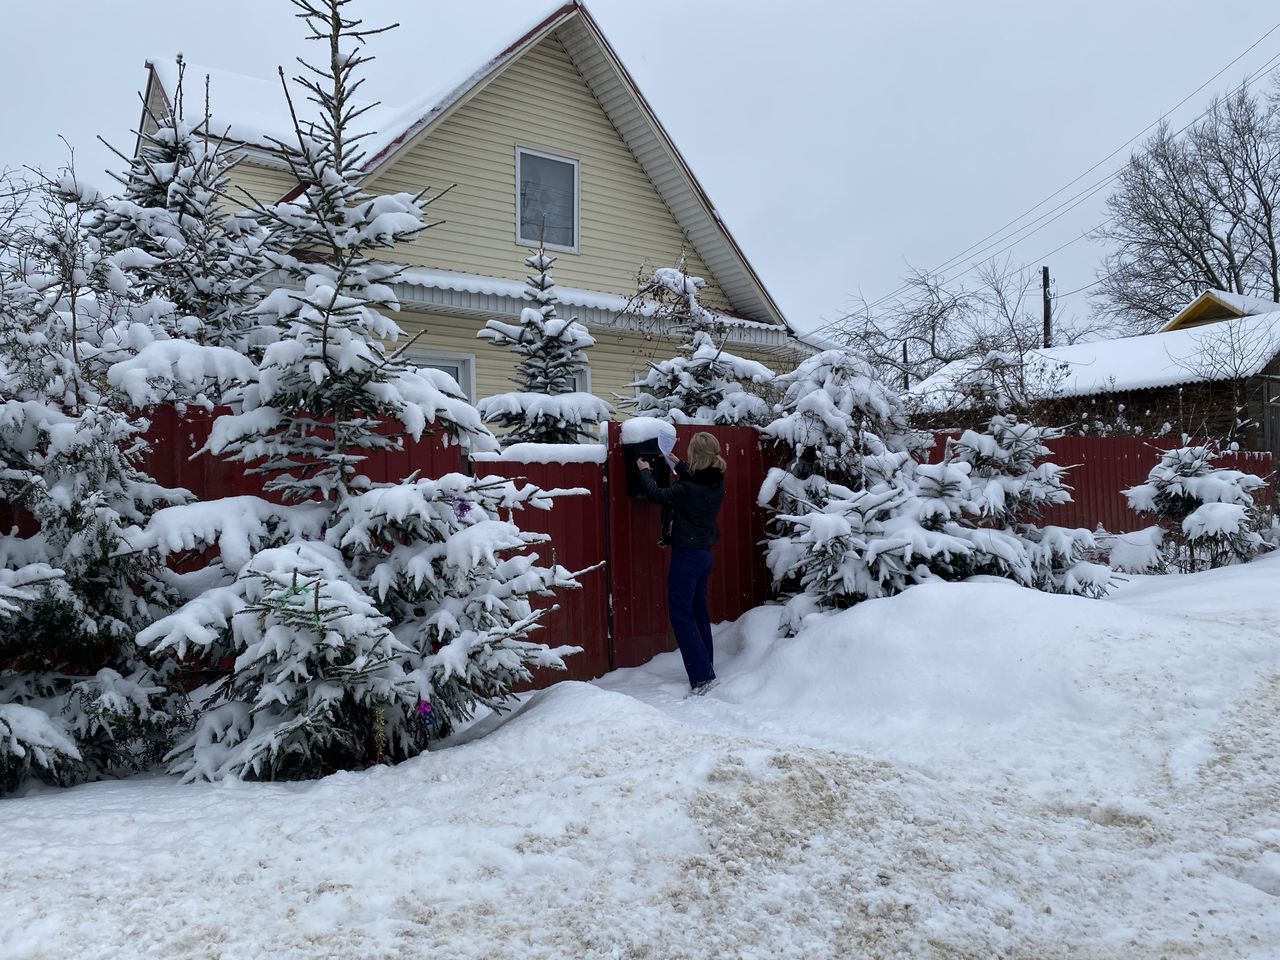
{"type": "Point", "coordinates": [1102, 468]}
{"type": "Point", "coordinates": [576, 526]}
{"type": "Point", "coordinates": [174, 439]}
{"type": "Point", "coordinates": [638, 566]}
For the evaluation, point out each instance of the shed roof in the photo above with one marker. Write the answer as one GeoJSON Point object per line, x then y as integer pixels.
{"type": "Point", "coordinates": [1216, 305]}
{"type": "Point", "coordinates": [1227, 350]}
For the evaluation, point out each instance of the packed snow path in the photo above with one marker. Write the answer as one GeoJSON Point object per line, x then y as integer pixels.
{"type": "Point", "coordinates": [970, 770]}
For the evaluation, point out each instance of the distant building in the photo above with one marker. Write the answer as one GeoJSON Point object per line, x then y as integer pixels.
{"type": "Point", "coordinates": [1212, 371]}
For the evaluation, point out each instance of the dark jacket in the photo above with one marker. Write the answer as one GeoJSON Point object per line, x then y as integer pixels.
{"type": "Point", "coordinates": [694, 501]}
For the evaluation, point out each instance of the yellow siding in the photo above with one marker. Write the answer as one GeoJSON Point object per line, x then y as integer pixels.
{"type": "Point", "coordinates": [262, 183]}
{"type": "Point", "coordinates": [541, 102]}
{"type": "Point", "coordinates": [615, 358]}
{"type": "Point", "coordinates": [156, 108]}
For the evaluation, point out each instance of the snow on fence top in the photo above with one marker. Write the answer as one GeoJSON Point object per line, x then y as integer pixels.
{"type": "Point", "coordinates": [545, 453]}
{"type": "Point", "coordinates": [640, 429]}
{"type": "Point", "coordinates": [1225, 350]}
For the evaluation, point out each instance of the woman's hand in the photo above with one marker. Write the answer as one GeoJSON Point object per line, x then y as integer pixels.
{"type": "Point", "coordinates": [642, 463]}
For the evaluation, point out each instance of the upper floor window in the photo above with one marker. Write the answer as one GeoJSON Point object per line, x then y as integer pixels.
{"type": "Point", "coordinates": [546, 200]}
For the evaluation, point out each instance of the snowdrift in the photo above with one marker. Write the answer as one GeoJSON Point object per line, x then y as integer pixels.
{"type": "Point", "coordinates": [967, 770]}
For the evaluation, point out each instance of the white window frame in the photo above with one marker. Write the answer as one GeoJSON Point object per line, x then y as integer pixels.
{"type": "Point", "coordinates": [466, 363]}
{"type": "Point", "coordinates": [586, 376]}
{"type": "Point", "coordinates": [577, 201]}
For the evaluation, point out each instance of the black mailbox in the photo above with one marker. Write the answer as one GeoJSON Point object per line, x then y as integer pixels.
{"type": "Point", "coordinates": [648, 451]}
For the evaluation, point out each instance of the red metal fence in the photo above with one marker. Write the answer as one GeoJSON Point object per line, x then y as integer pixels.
{"type": "Point", "coordinates": [619, 617]}
{"type": "Point", "coordinates": [175, 438]}
{"type": "Point", "coordinates": [638, 567]}
{"type": "Point", "coordinates": [576, 526]}
{"type": "Point", "coordinates": [1102, 468]}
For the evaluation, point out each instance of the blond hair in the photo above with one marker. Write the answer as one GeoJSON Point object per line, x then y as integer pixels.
{"type": "Point", "coordinates": [704, 451]}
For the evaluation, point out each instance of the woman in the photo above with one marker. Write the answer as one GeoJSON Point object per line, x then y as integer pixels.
{"type": "Point", "coordinates": [694, 501]}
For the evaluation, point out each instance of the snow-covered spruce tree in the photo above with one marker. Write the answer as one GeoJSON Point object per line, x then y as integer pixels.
{"type": "Point", "coordinates": [349, 606]}
{"type": "Point", "coordinates": [706, 384]}
{"type": "Point", "coordinates": [836, 535]}
{"type": "Point", "coordinates": [1209, 514]}
{"type": "Point", "coordinates": [71, 477]}
{"type": "Point", "coordinates": [1012, 484]}
{"type": "Point", "coordinates": [548, 407]}
{"type": "Point", "coordinates": [838, 424]}
{"type": "Point", "coordinates": [171, 231]}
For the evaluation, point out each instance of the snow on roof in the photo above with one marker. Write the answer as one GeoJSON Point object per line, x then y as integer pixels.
{"type": "Point", "coordinates": [254, 111]}
{"type": "Point", "coordinates": [569, 296]}
{"type": "Point", "coordinates": [1246, 305]}
{"type": "Point", "coordinates": [1217, 351]}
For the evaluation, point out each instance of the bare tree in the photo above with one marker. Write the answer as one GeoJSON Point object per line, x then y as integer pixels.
{"type": "Point", "coordinates": [1229, 356]}
{"type": "Point", "coordinates": [1195, 212]}
{"type": "Point", "coordinates": [993, 320]}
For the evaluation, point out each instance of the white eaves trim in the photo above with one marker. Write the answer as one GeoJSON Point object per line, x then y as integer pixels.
{"type": "Point", "coordinates": [471, 294]}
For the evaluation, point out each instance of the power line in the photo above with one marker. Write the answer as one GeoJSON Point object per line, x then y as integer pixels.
{"type": "Point", "coordinates": [1091, 191]}
{"type": "Point", "coordinates": [1093, 188]}
{"type": "Point", "coordinates": [1087, 286]}
{"type": "Point", "coordinates": [1065, 207]}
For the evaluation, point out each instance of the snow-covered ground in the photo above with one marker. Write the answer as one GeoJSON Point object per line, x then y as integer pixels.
{"type": "Point", "coordinates": [968, 770]}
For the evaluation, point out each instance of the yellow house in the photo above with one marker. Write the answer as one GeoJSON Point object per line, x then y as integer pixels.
{"type": "Point", "coordinates": [550, 131]}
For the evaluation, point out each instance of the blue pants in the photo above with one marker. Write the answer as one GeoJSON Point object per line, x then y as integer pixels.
{"type": "Point", "coordinates": [687, 605]}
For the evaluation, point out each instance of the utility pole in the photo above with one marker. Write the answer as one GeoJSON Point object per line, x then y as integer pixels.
{"type": "Point", "coordinates": [906, 377]}
{"type": "Point", "coordinates": [1048, 307]}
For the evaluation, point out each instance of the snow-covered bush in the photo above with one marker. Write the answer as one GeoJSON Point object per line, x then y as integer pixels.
{"type": "Point", "coordinates": [838, 424]}
{"type": "Point", "coordinates": [846, 442]}
{"type": "Point", "coordinates": [1209, 514]}
{"type": "Point", "coordinates": [548, 407]}
{"type": "Point", "coordinates": [1012, 485]}
{"type": "Point", "coordinates": [706, 384]}
{"type": "Point", "coordinates": [346, 605]}
{"type": "Point", "coordinates": [1140, 551]}
{"type": "Point", "coordinates": [857, 516]}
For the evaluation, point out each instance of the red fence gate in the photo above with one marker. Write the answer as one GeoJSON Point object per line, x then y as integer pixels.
{"type": "Point", "coordinates": [576, 526]}
{"type": "Point", "coordinates": [638, 567]}
{"type": "Point", "coordinates": [619, 617]}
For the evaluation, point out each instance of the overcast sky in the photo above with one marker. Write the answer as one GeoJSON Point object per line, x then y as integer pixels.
{"type": "Point", "coordinates": [841, 141]}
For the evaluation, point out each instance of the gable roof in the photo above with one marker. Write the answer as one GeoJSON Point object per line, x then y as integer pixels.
{"type": "Point", "coordinates": [249, 120]}
{"type": "Point", "coordinates": [1220, 351]}
{"type": "Point", "coordinates": [1217, 305]}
